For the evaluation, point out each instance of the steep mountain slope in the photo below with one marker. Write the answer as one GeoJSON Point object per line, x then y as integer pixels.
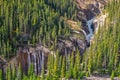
{"type": "Point", "coordinates": [52, 37]}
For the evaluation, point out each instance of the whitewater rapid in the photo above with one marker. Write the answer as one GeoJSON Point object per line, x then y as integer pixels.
{"type": "Point", "coordinates": [99, 22]}
{"type": "Point", "coordinates": [89, 24]}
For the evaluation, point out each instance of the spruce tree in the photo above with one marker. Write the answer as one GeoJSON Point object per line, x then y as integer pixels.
{"type": "Point", "coordinates": [63, 68]}
{"type": "Point", "coordinates": [1, 76]}
{"type": "Point", "coordinates": [43, 72]}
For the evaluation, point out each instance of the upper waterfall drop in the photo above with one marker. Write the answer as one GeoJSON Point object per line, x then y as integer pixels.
{"type": "Point", "coordinates": [89, 24]}
{"type": "Point", "coordinates": [99, 22]}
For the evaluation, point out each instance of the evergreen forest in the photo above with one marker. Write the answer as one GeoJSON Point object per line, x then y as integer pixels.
{"type": "Point", "coordinates": [28, 22]}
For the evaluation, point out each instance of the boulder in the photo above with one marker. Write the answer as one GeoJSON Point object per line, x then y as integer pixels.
{"type": "Point", "coordinates": [67, 45]}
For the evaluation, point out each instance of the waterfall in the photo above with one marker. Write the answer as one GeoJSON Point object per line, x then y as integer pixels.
{"type": "Point", "coordinates": [99, 21]}
{"type": "Point", "coordinates": [39, 63]}
{"type": "Point", "coordinates": [35, 63]}
{"type": "Point", "coordinates": [36, 58]}
{"type": "Point", "coordinates": [36, 55]}
{"type": "Point", "coordinates": [42, 59]}
{"type": "Point", "coordinates": [28, 58]}
{"type": "Point", "coordinates": [89, 23]}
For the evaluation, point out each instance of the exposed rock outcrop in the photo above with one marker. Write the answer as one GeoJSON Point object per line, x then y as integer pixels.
{"type": "Point", "coordinates": [87, 9]}
{"type": "Point", "coordinates": [71, 44]}
{"type": "Point", "coordinates": [77, 26]}
{"type": "Point", "coordinates": [36, 55]}
{"type": "Point", "coordinates": [90, 8]}
{"type": "Point", "coordinates": [98, 22]}
{"type": "Point", "coordinates": [2, 62]}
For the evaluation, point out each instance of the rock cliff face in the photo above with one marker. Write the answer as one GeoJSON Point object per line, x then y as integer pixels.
{"type": "Point", "coordinates": [87, 9]}
{"type": "Point", "coordinates": [36, 55]}
{"type": "Point", "coordinates": [2, 62]}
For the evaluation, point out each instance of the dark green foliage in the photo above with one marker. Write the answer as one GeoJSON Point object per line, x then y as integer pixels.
{"type": "Point", "coordinates": [43, 73]}
{"type": "Point", "coordinates": [43, 21]}
{"type": "Point", "coordinates": [36, 19]}
{"type": "Point", "coordinates": [112, 75]}
{"type": "Point", "coordinates": [63, 69]}
{"type": "Point", "coordinates": [1, 77]}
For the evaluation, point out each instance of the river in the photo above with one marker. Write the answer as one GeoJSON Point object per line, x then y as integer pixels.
{"type": "Point", "coordinates": [98, 21]}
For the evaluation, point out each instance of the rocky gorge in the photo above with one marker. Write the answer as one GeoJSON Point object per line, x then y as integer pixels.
{"type": "Point", "coordinates": [88, 10]}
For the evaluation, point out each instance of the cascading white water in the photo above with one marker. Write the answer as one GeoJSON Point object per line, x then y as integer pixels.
{"type": "Point", "coordinates": [39, 63]}
{"type": "Point", "coordinates": [35, 63]}
{"type": "Point", "coordinates": [99, 21]}
{"type": "Point", "coordinates": [89, 23]}
{"type": "Point", "coordinates": [37, 59]}
{"type": "Point", "coordinates": [42, 59]}
{"type": "Point", "coordinates": [29, 60]}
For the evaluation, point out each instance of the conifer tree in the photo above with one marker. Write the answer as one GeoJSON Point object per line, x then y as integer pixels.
{"type": "Point", "coordinates": [56, 64]}
{"type": "Point", "coordinates": [72, 63]}
{"type": "Point", "coordinates": [63, 68]}
{"type": "Point", "coordinates": [1, 77]}
{"type": "Point", "coordinates": [9, 73]}
{"type": "Point", "coordinates": [68, 74]}
{"type": "Point", "coordinates": [43, 72]}
{"type": "Point", "coordinates": [30, 70]}
{"type": "Point", "coordinates": [19, 73]}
